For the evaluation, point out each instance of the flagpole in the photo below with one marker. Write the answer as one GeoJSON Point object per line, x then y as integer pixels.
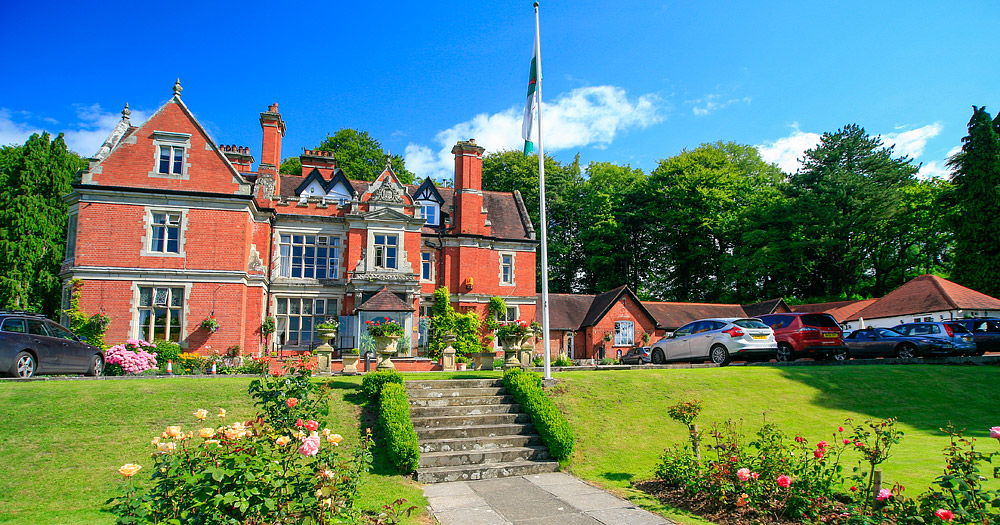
{"type": "Point", "coordinates": [541, 191]}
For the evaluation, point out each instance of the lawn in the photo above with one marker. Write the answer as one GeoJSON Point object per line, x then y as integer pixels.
{"type": "Point", "coordinates": [63, 440]}
{"type": "Point", "coordinates": [620, 422]}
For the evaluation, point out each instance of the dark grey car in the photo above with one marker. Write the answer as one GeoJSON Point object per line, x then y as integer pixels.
{"type": "Point", "coordinates": [951, 331]}
{"type": "Point", "coordinates": [30, 344]}
{"type": "Point", "coordinates": [986, 332]}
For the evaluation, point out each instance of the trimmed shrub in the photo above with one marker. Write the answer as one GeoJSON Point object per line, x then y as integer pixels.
{"type": "Point", "coordinates": [373, 383]}
{"type": "Point", "coordinates": [526, 387]}
{"type": "Point", "coordinates": [563, 361]}
{"type": "Point", "coordinates": [397, 429]}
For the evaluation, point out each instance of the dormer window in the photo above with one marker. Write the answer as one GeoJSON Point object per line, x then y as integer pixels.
{"type": "Point", "coordinates": [429, 213]}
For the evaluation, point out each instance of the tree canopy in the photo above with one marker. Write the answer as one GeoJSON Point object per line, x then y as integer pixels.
{"type": "Point", "coordinates": [357, 153]}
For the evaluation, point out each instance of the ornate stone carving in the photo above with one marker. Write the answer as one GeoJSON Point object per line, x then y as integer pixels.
{"type": "Point", "coordinates": [255, 264]}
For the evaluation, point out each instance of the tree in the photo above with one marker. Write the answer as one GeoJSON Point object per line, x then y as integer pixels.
{"type": "Point", "coordinates": [361, 156]}
{"type": "Point", "coordinates": [33, 217]}
{"type": "Point", "coordinates": [976, 180]}
{"type": "Point", "coordinates": [291, 166]}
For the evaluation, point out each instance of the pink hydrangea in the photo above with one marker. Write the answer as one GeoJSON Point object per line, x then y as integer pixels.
{"type": "Point", "coordinates": [743, 474]}
{"type": "Point", "coordinates": [310, 445]}
{"type": "Point", "coordinates": [131, 356]}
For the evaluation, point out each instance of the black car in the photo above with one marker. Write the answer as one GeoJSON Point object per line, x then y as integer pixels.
{"type": "Point", "coordinates": [986, 332]}
{"type": "Point", "coordinates": [883, 342]}
{"type": "Point", "coordinates": [30, 344]}
{"type": "Point", "coordinates": [636, 355]}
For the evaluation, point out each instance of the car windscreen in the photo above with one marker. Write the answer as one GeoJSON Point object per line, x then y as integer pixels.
{"type": "Point", "coordinates": [958, 329]}
{"type": "Point", "coordinates": [820, 320]}
{"type": "Point", "coordinates": [749, 323]}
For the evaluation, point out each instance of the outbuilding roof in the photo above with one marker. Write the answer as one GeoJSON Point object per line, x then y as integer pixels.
{"type": "Point", "coordinates": [927, 293]}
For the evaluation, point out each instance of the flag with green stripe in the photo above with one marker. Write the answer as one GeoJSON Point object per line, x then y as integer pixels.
{"type": "Point", "coordinates": [529, 108]}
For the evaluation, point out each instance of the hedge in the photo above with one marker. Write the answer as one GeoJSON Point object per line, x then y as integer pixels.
{"type": "Point", "coordinates": [397, 429]}
{"type": "Point", "coordinates": [373, 383]}
{"type": "Point", "coordinates": [526, 387]}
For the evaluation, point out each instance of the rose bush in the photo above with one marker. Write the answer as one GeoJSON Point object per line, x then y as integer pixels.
{"type": "Point", "coordinates": [130, 357]}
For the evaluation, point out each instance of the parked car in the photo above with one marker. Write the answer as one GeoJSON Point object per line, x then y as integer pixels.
{"type": "Point", "coordinates": [951, 331]}
{"type": "Point", "coordinates": [884, 342]}
{"type": "Point", "coordinates": [30, 344]}
{"type": "Point", "coordinates": [802, 334]}
{"type": "Point", "coordinates": [719, 340]}
{"type": "Point", "coordinates": [986, 333]}
{"type": "Point", "coordinates": [636, 355]}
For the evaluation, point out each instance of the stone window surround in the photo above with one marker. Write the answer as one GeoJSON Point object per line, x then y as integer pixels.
{"type": "Point", "coordinates": [512, 281]}
{"type": "Point", "coordinates": [72, 230]}
{"type": "Point", "coordinates": [331, 238]}
{"type": "Point", "coordinates": [171, 139]}
{"type": "Point", "coordinates": [148, 229]}
{"type": "Point", "coordinates": [436, 214]}
{"type": "Point", "coordinates": [402, 264]}
{"type": "Point", "coordinates": [133, 326]}
{"type": "Point", "coordinates": [336, 300]}
{"type": "Point", "coordinates": [431, 261]}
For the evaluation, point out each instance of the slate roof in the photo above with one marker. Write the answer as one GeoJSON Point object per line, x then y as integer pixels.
{"type": "Point", "coordinates": [840, 310]}
{"type": "Point", "coordinates": [566, 310]}
{"type": "Point", "coordinates": [766, 307]}
{"type": "Point", "coordinates": [927, 293]}
{"type": "Point", "coordinates": [505, 212]}
{"type": "Point", "coordinates": [384, 301]}
{"type": "Point", "coordinates": [671, 316]}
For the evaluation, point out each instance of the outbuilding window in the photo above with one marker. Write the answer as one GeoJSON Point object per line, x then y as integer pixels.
{"type": "Point", "coordinates": [624, 333]}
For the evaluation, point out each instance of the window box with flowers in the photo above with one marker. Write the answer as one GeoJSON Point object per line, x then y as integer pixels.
{"type": "Point", "coordinates": [210, 323]}
{"type": "Point", "coordinates": [386, 334]}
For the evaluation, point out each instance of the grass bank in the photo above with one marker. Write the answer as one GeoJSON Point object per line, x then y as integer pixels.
{"type": "Point", "coordinates": [62, 441]}
{"type": "Point", "coordinates": [621, 423]}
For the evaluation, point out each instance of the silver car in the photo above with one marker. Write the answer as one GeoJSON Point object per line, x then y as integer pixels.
{"type": "Point", "coordinates": [720, 340]}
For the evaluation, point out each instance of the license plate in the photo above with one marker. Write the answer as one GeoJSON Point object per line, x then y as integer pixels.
{"type": "Point", "coordinates": [829, 334]}
{"type": "Point", "coordinates": [760, 337]}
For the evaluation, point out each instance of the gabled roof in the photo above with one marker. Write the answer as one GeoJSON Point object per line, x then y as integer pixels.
{"type": "Point", "coordinates": [327, 185]}
{"type": "Point", "coordinates": [603, 302]}
{"type": "Point", "coordinates": [927, 293]}
{"type": "Point", "coordinates": [384, 301]}
{"type": "Point", "coordinates": [766, 307]}
{"type": "Point", "coordinates": [566, 310]}
{"type": "Point", "coordinates": [428, 192]}
{"type": "Point", "coordinates": [671, 316]}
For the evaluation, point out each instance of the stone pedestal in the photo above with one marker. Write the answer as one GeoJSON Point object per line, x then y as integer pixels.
{"type": "Point", "coordinates": [448, 354]}
{"type": "Point", "coordinates": [324, 352]}
{"type": "Point", "coordinates": [385, 347]}
{"type": "Point", "coordinates": [484, 360]}
{"type": "Point", "coordinates": [526, 355]}
{"type": "Point", "coordinates": [351, 364]}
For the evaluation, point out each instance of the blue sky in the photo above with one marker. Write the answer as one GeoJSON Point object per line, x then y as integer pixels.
{"type": "Point", "coordinates": [625, 82]}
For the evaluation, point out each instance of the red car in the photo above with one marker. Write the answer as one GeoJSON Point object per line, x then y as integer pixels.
{"type": "Point", "coordinates": [803, 334]}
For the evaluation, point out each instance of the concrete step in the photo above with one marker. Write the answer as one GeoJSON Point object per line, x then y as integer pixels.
{"type": "Point", "coordinates": [468, 420]}
{"type": "Point", "coordinates": [474, 431]}
{"type": "Point", "coordinates": [485, 471]}
{"type": "Point", "coordinates": [459, 410]}
{"type": "Point", "coordinates": [433, 384]}
{"type": "Point", "coordinates": [428, 393]}
{"type": "Point", "coordinates": [483, 457]}
{"type": "Point", "coordinates": [479, 443]}
{"type": "Point", "coordinates": [459, 401]}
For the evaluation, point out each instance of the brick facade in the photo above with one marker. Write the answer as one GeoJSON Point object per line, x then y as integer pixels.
{"type": "Point", "coordinates": [172, 228]}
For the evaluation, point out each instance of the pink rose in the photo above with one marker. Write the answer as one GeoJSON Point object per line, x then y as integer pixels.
{"type": "Point", "coordinates": [800, 439]}
{"type": "Point", "coordinates": [784, 481]}
{"type": "Point", "coordinates": [291, 402]}
{"type": "Point", "coordinates": [884, 494]}
{"type": "Point", "coordinates": [754, 475]}
{"type": "Point", "coordinates": [821, 445]}
{"type": "Point", "coordinates": [298, 422]}
{"type": "Point", "coordinates": [732, 459]}
{"type": "Point", "coordinates": [846, 441]}
{"type": "Point", "coordinates": [944, 514]}
{"type": "Point", "coordinates": [840, 429]}
{"type": "Point", "coordinates": [995, 434]}
{"type": "Point", "coordinates": [312, 425]}
{"type": "Point", "coordinates": [743, 474]}
{"type": "Point", "coordinates": [818, 454]}
{"type": "Point", "coordinates": [310, 445]}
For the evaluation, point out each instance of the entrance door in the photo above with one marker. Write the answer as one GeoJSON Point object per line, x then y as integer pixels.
{"type": "Point", "coordinates": [570, 343]}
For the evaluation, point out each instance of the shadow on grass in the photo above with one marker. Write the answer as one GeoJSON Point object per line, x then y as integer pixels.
{"type": "Point", "coordinates": [617, 476]}
{"type": "Point", "coordinates": [920, 395]}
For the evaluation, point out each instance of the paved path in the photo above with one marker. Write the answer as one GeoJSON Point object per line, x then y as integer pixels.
{"type": "Point", "coordinates": [551, 498]}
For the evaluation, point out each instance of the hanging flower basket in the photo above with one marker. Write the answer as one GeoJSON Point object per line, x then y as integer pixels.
{"type": "Point", "coordinates": [210, 324]}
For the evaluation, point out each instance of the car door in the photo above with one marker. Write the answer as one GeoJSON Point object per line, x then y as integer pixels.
{"type": "Point", "coordinates": [74, 355]}
{"type": "Point", "coordinates": [42, 342]}
{"type": "Point", "coordinates": [676, 347]}
{"type": "Point", "coordinates": [987, 334]}
{"type": "Point", "coordinates": [701, 338]}
{"type": "Point", "coordinates": [864, 343]}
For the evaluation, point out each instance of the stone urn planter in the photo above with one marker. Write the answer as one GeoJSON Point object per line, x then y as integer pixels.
{"type": "Point", "coordinates": [385, 347]}
{"type": "Point", "coordinates": [351, 363]}
{"type": "Point", "coordinates": [483, 360]}
{"type": "Point", "coordinates": [511, 346]}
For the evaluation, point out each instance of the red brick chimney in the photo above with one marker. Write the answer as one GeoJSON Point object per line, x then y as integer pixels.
{"type": "Point", "coordinates": [320, 160]}
{"type": "Point", "coordinates": [270, 151]}
{"type": "Point", "coordinates": [239, 157]}
{"type": "Point", "coordinates": [469, 216]}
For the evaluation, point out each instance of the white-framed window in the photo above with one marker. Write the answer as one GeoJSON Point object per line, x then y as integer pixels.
{"type": "Point", "coordinates": [506, 268]}
{"type": "Point", "coordinates": [171, 160]}
{"type": "Point", "coordinates": [297, 317]}
{"type": "Point", "coordinates": [426, 266]}
{"type": "Point", "coordinates": [429, 213]}
{"type": "Point", "coordinates": [165, 232]}
{"type": "Point", "coordinates": [512, 314]}
{"type": "Point", "coordinates": [308, 256]}
{"type": "Point", "coordinates": [624, 333]}
{"type": "Point", "coordinates": [385, 251]}
{"type": "Point", "coordinates": [71, 227]}
{"type": "Point", "coordinates": [161, 312]}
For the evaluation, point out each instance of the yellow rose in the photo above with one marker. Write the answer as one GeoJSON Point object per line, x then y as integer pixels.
{"type": "Point", "coordinates": [282, 441]}
{"type": "Point", "coordinates": [335, 439]}
{"type": "Point", "coordinates": [222, 412]}
{"type": "Point", "coordinates": [166, 448]}
{"type": "Point", "coordinates": [201, 414]}
{"type": "Point", "coordinates": [155, 441]}
{"type": "Point", "coordinates": [129, 469]}
{"type": "Point", "coordinates": [206, 433]}
{"type": "Point", "coordinates": [212, 442]}
{"type": "Point", "coordinates": [172, 431]}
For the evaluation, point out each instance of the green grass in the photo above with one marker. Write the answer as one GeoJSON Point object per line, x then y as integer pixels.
{"type": "Point", "coordinates": [62, 441]}
{"type": "Point", "coordinates": [621, 423]}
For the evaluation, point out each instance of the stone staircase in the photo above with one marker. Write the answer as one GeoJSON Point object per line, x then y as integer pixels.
{"type": "Point", "coordinates": [471, 429]}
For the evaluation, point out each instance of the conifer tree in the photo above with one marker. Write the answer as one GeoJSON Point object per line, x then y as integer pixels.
{"type": "Point", "coordinates": [976, 179]}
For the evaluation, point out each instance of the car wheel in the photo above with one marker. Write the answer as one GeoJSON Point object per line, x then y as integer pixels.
{"type": "Point", "coordinates": [906, 351]}
{"type": "Point", "coordinates": [840, 355]}
{"type": "Point", "coordinates": [719, 355]}
{"type": "Point", "coordinates": [96, 366]}
{"type": "Point", "coordinates": [785, 353]}
{"type": "Point", "coordinates": [658, 358]}
{"type": "Point", "coordinates": [24, 365]}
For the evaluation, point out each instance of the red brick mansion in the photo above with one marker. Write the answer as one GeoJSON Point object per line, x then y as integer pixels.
{"type": "Point", "coordinates": [168, 228]}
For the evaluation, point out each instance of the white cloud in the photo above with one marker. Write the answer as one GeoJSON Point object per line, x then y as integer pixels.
{"type": "Point", "coordinates": [786, 151]}
{"type": "Point", "coordinates": [586, 116]}
{"type": "Point", "coordinates": [934, 170]}
{"type": "Point", "coordinates": [93, 127]}
{"type": "Point", "coordinates": [713, 102]}
{"type": "Point", "coordinates": [912, 142]}
{"type": "Point", "coordinates": [13, 133]}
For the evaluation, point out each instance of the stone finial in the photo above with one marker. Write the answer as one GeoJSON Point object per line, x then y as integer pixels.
{"type": "Point", "coordinates": [126, 112]}
{"type": "Point", "coordinates": [388, 160]}
{"type": "Point", "coordinates": [178, 88]}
